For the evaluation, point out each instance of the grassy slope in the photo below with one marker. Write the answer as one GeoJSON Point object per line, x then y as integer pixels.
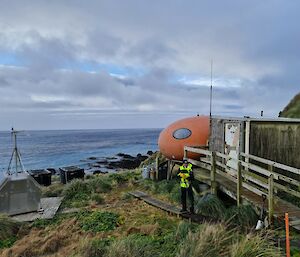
{"type": "Point", "coordinates": [292, 110]}
{"type": "Point", "coordinates": [140, 230]}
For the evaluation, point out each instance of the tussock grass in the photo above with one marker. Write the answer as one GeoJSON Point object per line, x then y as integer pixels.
{"type": "Point", "coordinates": [132, 246]}
{"type": "Point", "coordinates": [183, 230]}
{"type": "Point", "coordinates": [79, 192]}
{"type": "Point", "coordinates": [243, 216]}
{"type": "Point", "coordinates": [217, 240]}
{"type": "Point", "coordinates": [8, 227]}
{"type": "Point", "coordinates": [211, 206]}
{"type": "Point", "coordinates": [254, 246]}
{"type": "Point", "coordinates": [209, 241]}
{"type": "Point", "coordinates": [95, 247]}
{"type": "Point", "coordinates": [53, 190]}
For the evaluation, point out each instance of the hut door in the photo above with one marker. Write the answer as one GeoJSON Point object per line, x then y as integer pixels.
{"type": "Point", "coordinates": [232, 138]}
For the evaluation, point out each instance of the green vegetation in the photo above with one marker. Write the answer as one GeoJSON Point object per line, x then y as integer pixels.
{"type": "Point", "coordinates": [243, 217]}
{"type": "Point", "coordinates": [8, 231]}
{"type": "Point", "coordinates": [292, 110]}
{"type": "Point", "coordinates": [99, 221]}
{"type": "Point", "coordinates": [218, 240]}
{"type": "Point", "coordinates": [254, 245]}
{"type": "Point", "coordinates": [79, 192]}
{"type": "Point", "coordinates": [95, 247]}
{"type": "Point", "coordinates": [125, 226]}
{"type": "Point", "coordinates": [6, 243]}
{"type": "Point", "coordinates": [211, 206]}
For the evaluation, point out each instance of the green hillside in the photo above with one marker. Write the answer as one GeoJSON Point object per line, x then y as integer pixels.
{"type": "Point", "coordinates": [292, 110]}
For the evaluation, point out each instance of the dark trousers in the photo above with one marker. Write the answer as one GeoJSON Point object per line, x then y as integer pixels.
{"type": "Point", "coordinates": [190, 193]}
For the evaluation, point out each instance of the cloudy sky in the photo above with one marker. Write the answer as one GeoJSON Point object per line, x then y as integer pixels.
{"type": "Point", "coordinates": [139, 63]}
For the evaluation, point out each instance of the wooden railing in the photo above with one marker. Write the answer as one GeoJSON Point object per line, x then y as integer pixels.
{"type": "Point", "coordinates": [256, 174]}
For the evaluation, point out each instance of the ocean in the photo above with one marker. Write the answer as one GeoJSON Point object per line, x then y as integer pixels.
{"type": "Point", "coordinates": [59, 148]}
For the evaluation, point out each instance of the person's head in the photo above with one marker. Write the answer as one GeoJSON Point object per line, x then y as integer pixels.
{"type": "Point", "coordinates": [185, 162]}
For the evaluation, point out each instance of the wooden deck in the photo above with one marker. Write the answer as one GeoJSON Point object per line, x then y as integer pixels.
{"type": "Point", "coordinates": [249, 182]}
{"type": "Point", "coordinates": [50, 205]}
{"type": "Point", "coordinates": [230, 188]}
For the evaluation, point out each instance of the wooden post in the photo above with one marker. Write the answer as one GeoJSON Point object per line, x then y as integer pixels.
{"type": "Point", "coordinates": [156, 166]}
{"type": "Point", "coordinates": [213, 173]}
{"type": "Point", "coordinates": [239, 184]}
{"type": "Point", "coordinates": [287, 233]}
{"type": "Point", "coordinates": [271, 198]}
{"type": "Point", "coordinates": [185, 154]}
{"type": "Point", "coordinates": [247, 142]}
{"type": "Point", "coordinates": [169, 170]}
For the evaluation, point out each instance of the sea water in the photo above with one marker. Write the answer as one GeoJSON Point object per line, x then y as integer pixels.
{"type": "Point", "coordinates": [58, 148]}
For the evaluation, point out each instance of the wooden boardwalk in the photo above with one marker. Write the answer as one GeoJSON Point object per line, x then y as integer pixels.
{"type": "Point", "coordinates": [171, 209]}
{"type": "Point", "coordinates": [249, 182]}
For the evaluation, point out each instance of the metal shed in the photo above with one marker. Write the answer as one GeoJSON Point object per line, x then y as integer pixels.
{"type": "Point", "coordinates": [19, 193]}
{"type": "Point", "coordinates": [273, 139]}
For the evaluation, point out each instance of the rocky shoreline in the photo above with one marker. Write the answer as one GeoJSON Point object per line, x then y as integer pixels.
{"type": "Point", "coordinates": [120, 161]}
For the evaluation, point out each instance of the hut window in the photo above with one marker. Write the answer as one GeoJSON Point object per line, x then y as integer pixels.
{"type": "Point", "coordinates": [182, 133]}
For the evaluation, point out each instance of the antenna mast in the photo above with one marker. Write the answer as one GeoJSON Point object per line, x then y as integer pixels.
{"type": "Point", "coordinates": [211, 88]}
{"type": "Point", "coordinates": [15, 156]}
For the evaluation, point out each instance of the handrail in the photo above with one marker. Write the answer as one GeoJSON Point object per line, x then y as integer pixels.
{"type": "Point", "coordinates": [197, 150]}
{"type": "Point", "coordinates": [261, 180]}
{"type": "Point", "coordinates": [273, 163]}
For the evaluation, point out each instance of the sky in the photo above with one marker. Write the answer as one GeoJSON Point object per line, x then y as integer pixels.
{"type": "Point", "coordinates": [73, 64]}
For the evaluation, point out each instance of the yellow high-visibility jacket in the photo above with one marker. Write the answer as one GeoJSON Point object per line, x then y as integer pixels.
{"type": "Point", "coordinates": [185, 174]}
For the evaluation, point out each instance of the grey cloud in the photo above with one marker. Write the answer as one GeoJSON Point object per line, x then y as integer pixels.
{"type": "Point", "coordinates": [254, 42]}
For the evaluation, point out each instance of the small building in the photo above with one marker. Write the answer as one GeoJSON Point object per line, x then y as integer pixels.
{"type": "Point", "coordinates": [19, 193]}
{"type": "Point", "coordinates": [273, 139]}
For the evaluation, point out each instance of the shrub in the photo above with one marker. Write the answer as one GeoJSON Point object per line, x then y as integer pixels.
{"type": "Point", "coordinates": [211, 206]}
{"type": "Point", "coordinates": [99, 221]}
{"type": "Point", "coordinates": [253, 246]}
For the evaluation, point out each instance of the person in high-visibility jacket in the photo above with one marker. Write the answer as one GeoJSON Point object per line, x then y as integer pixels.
{"type": "Point", "coordinates": [186, 176]}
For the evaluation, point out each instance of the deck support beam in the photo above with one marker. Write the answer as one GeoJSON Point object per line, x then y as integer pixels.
{"type": "Point", "coordinates": [271, 196]}
{"type": "Point", "coordinates": [213, 174]}
{"type": "Point", "coordinates": [239, 184]}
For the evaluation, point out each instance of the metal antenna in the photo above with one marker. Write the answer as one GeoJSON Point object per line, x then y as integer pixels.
{"type": "Point", "coordinates": [15, 156]}
{"type": "Point", "coordinates": [211, 88]}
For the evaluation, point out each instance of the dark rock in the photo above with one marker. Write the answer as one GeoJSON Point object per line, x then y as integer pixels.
{"type": "Point", "coordinates": [96, 165]}
{"type": "Point", "coordinates": [99, 172]}
{"type": "Point", "coordinates": [102, 162]}
{"type": "Point", "coordinates": [124, 155]}
{"type": "Point", "coordinates": [138, 155]}
{"type": "Point", "coordinates": [150, 152]}
{"type": "Point", "coordinates": [111, 158]}
{"type": "Point", "coordinates": [92, 158]}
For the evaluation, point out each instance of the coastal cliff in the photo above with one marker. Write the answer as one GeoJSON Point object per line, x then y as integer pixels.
{"type": "Point", "coordinates": [292, 110]}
